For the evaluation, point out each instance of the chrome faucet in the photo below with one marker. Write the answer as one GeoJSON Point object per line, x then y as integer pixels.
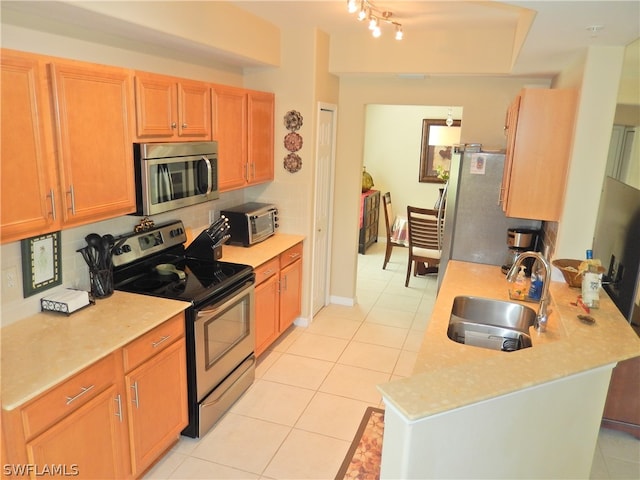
{"type": "Point", "coordinates": [541, 318]}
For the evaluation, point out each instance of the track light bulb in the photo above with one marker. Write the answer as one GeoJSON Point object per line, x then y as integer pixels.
{"type": "Point", "coordinates": [375, 17]}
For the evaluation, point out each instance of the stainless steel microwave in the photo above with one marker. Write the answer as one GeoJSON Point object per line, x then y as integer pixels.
{"type": "Point", "coordinates": [251, 223]}
{"type": "Point", "coordinates": [174, 175]}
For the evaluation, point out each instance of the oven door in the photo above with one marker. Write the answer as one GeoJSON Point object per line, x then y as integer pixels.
{"type": "Point", "coordinates": [224, 337]}
{"type": "Point", "coordinates": [262, 226]}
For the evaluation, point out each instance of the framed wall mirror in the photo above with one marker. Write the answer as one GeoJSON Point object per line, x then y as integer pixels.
{"type": "Point", "coordinates": [436, 148]}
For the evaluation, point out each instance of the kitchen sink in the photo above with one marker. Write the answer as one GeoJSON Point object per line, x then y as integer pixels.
{"type": "Point", "coordinates": [488, 323]}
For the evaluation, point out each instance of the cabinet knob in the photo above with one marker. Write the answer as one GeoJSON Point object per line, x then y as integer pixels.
{"type": "Point", "coordinates": [174, 125]}
{"type": "Point", "coordinates": [184, 125]}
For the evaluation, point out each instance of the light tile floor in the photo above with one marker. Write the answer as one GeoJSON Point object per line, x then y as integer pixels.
{"type": "Point", "coordinates": [312, 387]}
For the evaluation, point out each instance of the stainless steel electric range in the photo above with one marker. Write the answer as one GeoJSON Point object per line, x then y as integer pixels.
{"type": "Point", "coordinates": [220, 323]}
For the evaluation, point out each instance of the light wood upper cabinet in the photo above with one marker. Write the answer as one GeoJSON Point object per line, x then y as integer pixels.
{"type": "Point", "coordinates": [244, 128]}
{"type": "Point", "coordinates": [65, 128]}
{"type": "Point", "coordinates": [540, 125]}
{"type": "Point", "coordinates": [93, 107]}
{"type": "Point", "coordinates": [260, 136]}
{"type": "Point", "coordinates": [171, 109]}
{"type": "Point", "coordinates": [230, 131]}
{"type": "Point", "coordinates": [28, 181]}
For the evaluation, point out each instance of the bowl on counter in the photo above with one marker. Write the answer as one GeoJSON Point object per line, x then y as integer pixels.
{"type": "Point", "coordinates": [571, 271]}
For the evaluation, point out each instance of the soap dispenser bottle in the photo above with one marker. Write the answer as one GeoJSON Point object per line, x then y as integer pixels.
{"type": "Point", "coordinates": [535, 289]}
{"type": "Point", "coordinates": [519, 289]}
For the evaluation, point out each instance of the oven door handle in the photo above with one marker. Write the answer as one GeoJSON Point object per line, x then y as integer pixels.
{"type": "Point", "coordinates": [239, 292]}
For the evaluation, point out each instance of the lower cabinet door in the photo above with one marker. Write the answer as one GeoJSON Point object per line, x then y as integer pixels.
{"type": "Point", "coordinates": [266, 298]}
{"type": "Point", "coordinates": [85, 444]}
{"type": "Point", "coordinates": [157, 404]}
{"type": "Point", "coordinates": [290, 293]}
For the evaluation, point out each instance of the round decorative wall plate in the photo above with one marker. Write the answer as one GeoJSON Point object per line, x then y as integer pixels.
{"type": "Point", "coordinates": [293, 120]}
{"type": "Point", "coordinates": [293, 141]}
{"type": "Point", "coordinates": [292, 163]}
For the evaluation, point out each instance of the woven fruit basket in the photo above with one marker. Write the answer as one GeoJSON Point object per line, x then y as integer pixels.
{"type": "Point", "coordinates": [571, 271]}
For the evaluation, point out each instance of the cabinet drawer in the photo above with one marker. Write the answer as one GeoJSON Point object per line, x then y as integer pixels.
{"type": "Point", "coordinates": [68, 396]}
{"type": "Point", "coordinates": [291, 255]}
{"type": "Point", "coordinates": [153, 342]}
{"type": "Point", "coordinates": [267, 270]}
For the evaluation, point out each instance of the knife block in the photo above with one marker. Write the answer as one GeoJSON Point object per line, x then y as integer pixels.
{"type": "Point", "coordinates": [202, 247]}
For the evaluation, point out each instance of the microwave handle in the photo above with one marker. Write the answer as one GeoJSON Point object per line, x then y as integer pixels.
{"type": "Point", "coordinates": [209, 183]}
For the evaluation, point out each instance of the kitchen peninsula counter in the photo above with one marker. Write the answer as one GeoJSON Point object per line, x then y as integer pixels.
{"type": "Point", "coordinates": [504, 403]}
{"type": "Point", "coordinates": [448, 375]}
{"type": "Point", "coordinates": [42, 350]}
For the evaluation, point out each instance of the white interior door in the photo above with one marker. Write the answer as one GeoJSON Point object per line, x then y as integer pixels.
{"type": "Point", "coordinates": [323, 207]}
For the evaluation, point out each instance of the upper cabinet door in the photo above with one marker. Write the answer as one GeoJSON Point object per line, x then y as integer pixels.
{"type": "Point", "coordinates": [243, 126]}
{"type": "Point", "coordinates": [510, 125]}
{"type": "Point", "coordinates": [260, 136]}
{"type": "Point", "coordinates": [194, 109]}
{"type": "Point", "coordinates": [540, 153]}
{"type": "Point", "coordinates": [93, 105]}
{"type": "Point", "coordinates": [156, 106]}
{"type": "Point", "coordinates": [230, 130]}
{"type": "Point", "coordinates": [29, 189]}
{"type": "Point", "coordinates": [171, 109]}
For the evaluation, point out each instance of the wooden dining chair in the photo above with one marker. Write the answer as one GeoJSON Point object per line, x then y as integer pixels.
{"type": "Point", "coordinates": [389, 219]}
{"type": "Point", "coordinates": [424, 238]}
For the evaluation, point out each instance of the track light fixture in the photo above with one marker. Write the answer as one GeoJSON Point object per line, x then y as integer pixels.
{"type": "Point", "coordinates": [374, 16]}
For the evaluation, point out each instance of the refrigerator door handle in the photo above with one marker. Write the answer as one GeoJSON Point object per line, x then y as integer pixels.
{"type": "Point", "coordinates": [441, 215]}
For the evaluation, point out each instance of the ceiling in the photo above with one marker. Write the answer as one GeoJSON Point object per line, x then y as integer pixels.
{"type": "Point", "coordinates": [558, 35]}
{"type": "Point", "coordinates": [555, 38]}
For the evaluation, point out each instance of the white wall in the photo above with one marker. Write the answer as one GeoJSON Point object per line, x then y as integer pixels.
{"type": "Point", "coordinates": [598, 76]}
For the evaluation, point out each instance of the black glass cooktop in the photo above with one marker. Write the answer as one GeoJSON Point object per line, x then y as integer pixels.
{"type": "Point", "coordinates": [181, 277]}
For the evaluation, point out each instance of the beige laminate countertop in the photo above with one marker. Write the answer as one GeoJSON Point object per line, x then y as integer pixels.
{"type": "Point", "coordinates": [449, 375]}
{"type": "Point", "coordinates": [44, 349]}
{"type": "Point", "coordinates": [262, 252]}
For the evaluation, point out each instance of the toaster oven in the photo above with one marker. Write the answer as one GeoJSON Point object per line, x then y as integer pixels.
{"type": "Point", "coordinates": [251, 223]}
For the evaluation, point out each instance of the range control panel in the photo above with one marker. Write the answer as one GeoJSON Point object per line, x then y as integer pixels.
{"type": "Point", "coordinates": [135, 246]}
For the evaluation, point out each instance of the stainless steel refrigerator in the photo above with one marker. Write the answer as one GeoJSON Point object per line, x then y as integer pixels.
{"type": "Point", "coordinates": [475, 227]}
{"type": "Point", "coordinates": [617, 244]}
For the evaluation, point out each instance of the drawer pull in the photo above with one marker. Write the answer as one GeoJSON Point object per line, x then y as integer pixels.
{"type": "Point", "coordinates": [83, 390]}
{"type": "Point", "coordinates": [268, 272]}
{"type": "Point", "coordinates": [294, 255]}
{"type": "Point", "coordinates": [134, 387]}
{"type": "Point", "coordinates": [162, 339]}
{"type": "Point", "coordinates": [118, 401]}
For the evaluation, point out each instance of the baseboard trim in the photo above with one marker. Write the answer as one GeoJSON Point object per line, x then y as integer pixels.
{"type": "Point", "coordinates": [346, 301]}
